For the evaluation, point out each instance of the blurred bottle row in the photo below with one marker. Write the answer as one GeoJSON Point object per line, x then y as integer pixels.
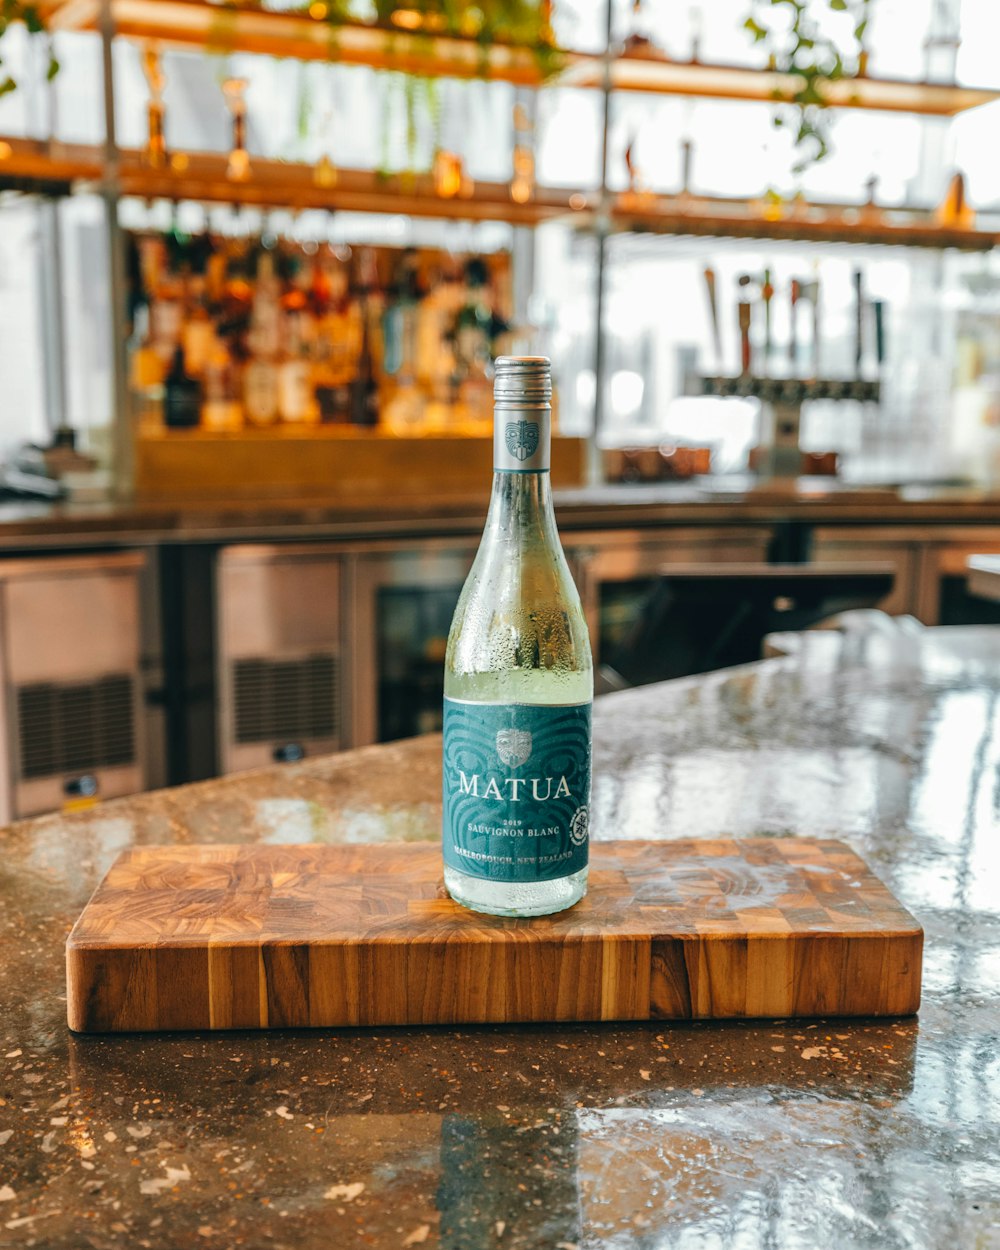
{"type": "Point", "coordinates": [235, 332]}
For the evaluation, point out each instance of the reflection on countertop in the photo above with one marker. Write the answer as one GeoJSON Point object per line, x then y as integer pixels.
{"type": "Point", "coordinates": [803, 1134]}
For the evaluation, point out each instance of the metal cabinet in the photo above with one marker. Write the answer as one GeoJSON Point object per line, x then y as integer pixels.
{"type": "Point", "coordinates": [617, 570]}
{"type": "Point", "coordinates": [942, 596]}
{"type": "Point", "coordinates": [279, 671]}
{"type": "Point", "coordinates": [71, 729]}
{"type": "Point", "coordinates": [400, 604]}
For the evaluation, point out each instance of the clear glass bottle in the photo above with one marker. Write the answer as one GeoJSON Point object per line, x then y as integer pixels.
{"type": "Point", "coordinates": [518, 684]}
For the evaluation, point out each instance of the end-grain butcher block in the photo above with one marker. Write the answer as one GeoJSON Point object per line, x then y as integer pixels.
{"type": "Point", "coordinates": [237, 937]}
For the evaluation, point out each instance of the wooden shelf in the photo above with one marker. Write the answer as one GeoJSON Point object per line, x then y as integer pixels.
{"type": "Point", "coordinates": [28, 164]}
{"type": "Point", "coordinates": [326, 462]}
{"type": "Point", "coordinates": [58, 168]}
{"type": "Point", "coordinates": [230, 28]}
{"type": "Point", "coordinates": [36, 165]}
{"type": "Point", "coordinates": [251, 28]}
{"type": "Point", "coordinates": [744, 219]}
{"type": "Point", "coordinates": [734, 82]}
{"type": "Point", "coordinates": [280, 184]}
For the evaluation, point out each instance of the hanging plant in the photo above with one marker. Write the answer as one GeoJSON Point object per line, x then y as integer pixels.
{"type": "Point", "coordinates": [511, 23]}
{"type": "Point", "coordinates": [17, 11]}
{"type": "Point", "coordinates": [520, 23]}
{"type": "Point", "coordinates": [794, 37]}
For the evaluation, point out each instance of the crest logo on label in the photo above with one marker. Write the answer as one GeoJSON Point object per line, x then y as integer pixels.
{"type": "Point", "coordinates": [514, 746]}
{"type": "Point", "coordinates": [579, 826]}
{"type": "Point", "coordinates": [521, 438]}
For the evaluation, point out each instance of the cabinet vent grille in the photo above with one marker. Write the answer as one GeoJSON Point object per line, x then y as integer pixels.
{"type": "Point", "coordinates": [282, 699]}
{"type": "Point", "coordinates": [75, 728]}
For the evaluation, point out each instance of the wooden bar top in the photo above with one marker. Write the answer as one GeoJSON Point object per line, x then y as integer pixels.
{"type": "Point", "coordinates": [68, 524]}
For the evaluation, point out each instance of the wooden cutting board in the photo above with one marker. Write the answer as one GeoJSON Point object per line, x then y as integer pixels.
{"type": "Point", "coordinates": [231, 937]}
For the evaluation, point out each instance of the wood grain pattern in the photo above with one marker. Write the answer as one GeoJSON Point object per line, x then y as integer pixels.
{"type": "Point", "coordinates": [333, 463]}
{"type": "Point", "coordinates": [230, 937]}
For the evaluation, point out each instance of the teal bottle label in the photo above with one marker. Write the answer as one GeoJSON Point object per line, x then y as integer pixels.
{"type": "Point", "coordinates": [516, 789]}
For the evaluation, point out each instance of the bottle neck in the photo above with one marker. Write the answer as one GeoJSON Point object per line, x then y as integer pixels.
{"type": "Point", "coordinates": [521, 507]}
{"type": "Point", "coordinates": [521, 500]}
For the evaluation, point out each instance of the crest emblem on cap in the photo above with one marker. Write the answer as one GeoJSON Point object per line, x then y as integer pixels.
{"type": "Point", "coordinates": [521, 438]}
{"type": "Point", "coordinates": [514, 746]}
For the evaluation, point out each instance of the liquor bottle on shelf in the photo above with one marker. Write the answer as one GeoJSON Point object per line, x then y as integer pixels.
{"type": "Point", "coordinates": [166, 316]}
{"type": "Point", "coordinates": [238, 166]}
{"type": "Point", "coordinates": [181, 396]}
{"type": "Point", "coordinates": [146, 374]}
{"type": "Point", "coordinates": [518, 685]}
{"type": "Point", "coordinates": [435, 353]}
{"type": "Point", "coordinates": [222, 410]}
{"type": "Point", "coordinates": [296, 403]}
{"type": "Point", "coordinates": [522, 182]}
{"type": "Point", "coordinates": [955, 212]}
{"type": "Point", "coordinates": [338, 348]}
{"type": "Point", "coordinates": [260, 391]}
{"type": "Point", "coordinates": [155, 151]}
{"type": "Point", "coordinates": [198, 333]}
{"type": "Point", "coordinates": [476, 326]}
{"type": "Point", "coordinates": [216, 272]}
{"type": "Point", "coordinates": [305, 333]}
{"type": "Point", "coordinates": [639, 41]}
{"type": "Point", "coordinates": [265, 317]}
{"type": "Point", "coordinates": [403, 411]}
{"type": "Point", "coordinates": [364, 387]}
{"type": "Point", "coordinates": [260, 375]}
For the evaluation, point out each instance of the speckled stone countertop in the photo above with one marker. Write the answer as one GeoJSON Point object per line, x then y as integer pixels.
{"type": "Point", "coordinates": [805, 1135]}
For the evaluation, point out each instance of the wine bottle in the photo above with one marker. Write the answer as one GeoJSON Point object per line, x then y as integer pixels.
{"type": "Point", "coordinates": [518, 684]}
{"type": "Point", "coordinates": [181, 396]}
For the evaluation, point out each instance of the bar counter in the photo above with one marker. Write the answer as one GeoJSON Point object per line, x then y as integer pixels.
{"type": "Point", "coordinates": [69, 524]}
{"type": "Point", "coordinates": [786, 1134]}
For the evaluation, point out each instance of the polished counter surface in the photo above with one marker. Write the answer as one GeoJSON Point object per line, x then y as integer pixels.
{"type": "Point", "coordinates": [794, 1135]}
{"type": "Point", "coordinates": [60, 525]}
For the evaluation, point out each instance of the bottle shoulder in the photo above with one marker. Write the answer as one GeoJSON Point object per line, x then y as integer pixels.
{"type": "Point", "coordinates": [522, 615]}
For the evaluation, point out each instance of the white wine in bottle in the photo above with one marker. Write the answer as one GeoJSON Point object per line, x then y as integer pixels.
{"type": "Point", "coordinates": [518, 684]}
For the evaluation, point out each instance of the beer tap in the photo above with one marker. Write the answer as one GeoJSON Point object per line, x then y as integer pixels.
{"type": "Point", "coordinates": [879, 307]}
{"type": "Point", "coordinates": [713, 308]}
{"type": "Point", "coordinates": [859, 322]}
{"type": "Point", "coordinates": [810, 291]}
{"type": "Point", "coordinates": [745, 311]}
{"type": "Point", "coordinates": [766, 295]}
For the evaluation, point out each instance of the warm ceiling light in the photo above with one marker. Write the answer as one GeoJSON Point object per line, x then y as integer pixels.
{"type": "Point", "coordinates": [318, 10]}
{"type": "Point", "coordinates": [577, 201]}
{"type": "Point", "coordinates": [6, 151]}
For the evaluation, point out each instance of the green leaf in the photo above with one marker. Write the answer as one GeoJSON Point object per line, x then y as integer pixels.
{"type": "Point", "coordinates": [859, 30]}
{"type": "Point", "coordinates": [838, 6]}
{"type": "Point", "coordinates": [52, 70]}
{"type": "Point", "coordinates": [7, 86]}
